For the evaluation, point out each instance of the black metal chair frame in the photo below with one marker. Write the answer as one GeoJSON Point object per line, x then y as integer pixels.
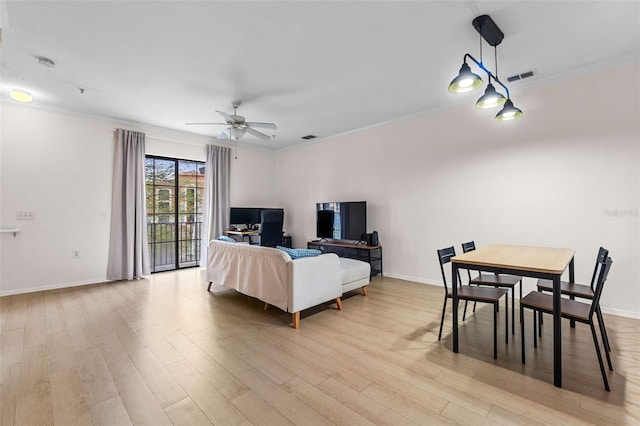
{"type": "Point", "coordinates": [574, 290]}
{"type": "Point", "coordinates": [474, 294]}
{"type": "Point", "coordinates": [502, 281]}
{"type": "Point", "coordinates": [540, 302]}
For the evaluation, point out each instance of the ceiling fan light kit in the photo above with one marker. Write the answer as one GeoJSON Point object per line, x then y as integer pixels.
{"type": "Point", "coordinates": [467, 81]}
{"type": "Point", "coordinates": [239, 126]}
{"type": "Point", "coordinates": [235, 133]}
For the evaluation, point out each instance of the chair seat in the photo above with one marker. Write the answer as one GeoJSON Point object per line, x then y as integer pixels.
{"type": "Point", "coordinates": [496, 280]}
{"type": "Point", "coordinates": [544, 302]}
{"type": "Point", "coordinates": [568, 288]}
{"type": "Point", "coordinates": [480, 294]}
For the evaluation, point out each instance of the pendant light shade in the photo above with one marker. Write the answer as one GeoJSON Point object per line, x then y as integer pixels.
{"type": "Point", "coordinates": [491, 98]}
{"type": "Point", "coordinates": [508, 112]}
{"type": "Point", "coordinates": [466, 81]}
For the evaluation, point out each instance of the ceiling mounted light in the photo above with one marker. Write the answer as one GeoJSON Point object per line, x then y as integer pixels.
{"type": "Point", "coordinates": [491, 98]}
{"type": "Point", "coordinates": [236, 133]}
{"type": "Point", "coordinates": [467, 81]}
{"type": "Point", "coordinates": [509, 112]}
{"type": "Point", "coordinates": [20, 95]}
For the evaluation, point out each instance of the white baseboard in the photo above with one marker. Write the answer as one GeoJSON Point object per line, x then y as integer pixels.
{"type": "Point", "coordinates": [54, 286]}
{"type": "Point", "coordinates": [620, 312]}
{"type": "Point", "coordinates": [606, 310]}
{"type": "Point", "coordinates": [414, 279]}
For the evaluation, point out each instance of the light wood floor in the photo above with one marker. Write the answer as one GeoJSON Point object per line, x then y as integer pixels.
{"type": "Point", "coordinates": [164, 351]}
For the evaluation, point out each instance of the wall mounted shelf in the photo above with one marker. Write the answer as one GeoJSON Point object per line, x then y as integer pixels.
{"type": "Point", "coordinates": [13, 231]}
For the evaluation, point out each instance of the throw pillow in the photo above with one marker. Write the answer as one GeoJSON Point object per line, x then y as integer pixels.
{"type": "Point", "coordinates": [226, 239]}
{"type": "Point", "coordinates": [299, 252]}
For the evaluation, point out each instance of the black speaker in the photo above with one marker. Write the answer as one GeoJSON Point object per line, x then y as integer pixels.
{"type": "Point", "coordinates": [324, 224]}
{"type": "Point", "coordinates": [372, 239]}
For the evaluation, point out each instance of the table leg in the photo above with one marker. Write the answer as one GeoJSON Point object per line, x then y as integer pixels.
{"type": "Point", "coordinates": [454, 299]}
{"type": "Point", "coordinates": [557, 333]}
{"type": "Point", "coordinates": [572, 272]}
{"type": "Point", "coordinates": [572, 279]}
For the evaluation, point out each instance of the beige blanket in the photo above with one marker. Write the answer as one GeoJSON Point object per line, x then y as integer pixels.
{"type": "Point", "coordinates": [259, 272]}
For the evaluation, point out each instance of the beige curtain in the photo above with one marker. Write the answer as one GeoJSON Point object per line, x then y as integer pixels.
{"type": "Point", "coordinates": [216, 196]}
{"type": "Point", "coordinates": [128, 247]}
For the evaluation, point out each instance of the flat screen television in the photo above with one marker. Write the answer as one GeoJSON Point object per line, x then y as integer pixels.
{"type": "Point", "coordinates": [341, 220]}
{"type": "Point", "coordinates": [244, 215]}
{"type": "Point", "coordinates": [247, 215]}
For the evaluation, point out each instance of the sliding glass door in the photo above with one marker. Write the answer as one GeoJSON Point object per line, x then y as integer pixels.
{"type": "Point", "coordinates": [175, 190]}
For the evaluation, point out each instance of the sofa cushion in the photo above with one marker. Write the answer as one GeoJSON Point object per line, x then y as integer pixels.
{"type": "Point", "coordinates": [299, 252]}
{"type": "Point", "coordinates": [226, 239]}
{"type": "Point", "coordinates": [353, 270]}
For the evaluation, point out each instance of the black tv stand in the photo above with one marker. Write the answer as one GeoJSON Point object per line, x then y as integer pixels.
{"type": "Point", "coordinates": [370, 254]}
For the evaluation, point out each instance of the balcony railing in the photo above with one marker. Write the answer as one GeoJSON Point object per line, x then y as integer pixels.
{"type": "Point", "coordinates": [170, 250]}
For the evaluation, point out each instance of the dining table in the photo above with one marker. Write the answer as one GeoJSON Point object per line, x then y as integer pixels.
{"type": "Point", "coordinates": [526, 261]}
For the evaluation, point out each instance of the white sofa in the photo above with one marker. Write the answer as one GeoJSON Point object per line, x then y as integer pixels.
{"type": "Point", "coordinates": [354, 274]}
{"type": "Point", "coordinates": [272, 276]}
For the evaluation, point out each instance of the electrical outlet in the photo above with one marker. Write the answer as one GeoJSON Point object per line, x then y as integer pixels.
{"type": "Point", "coordinates": [75, 254]}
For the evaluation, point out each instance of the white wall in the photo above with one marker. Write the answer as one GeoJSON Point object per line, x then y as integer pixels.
{"type": "Point", "coordinates": [565, 175]}
{"type": "Point", "coordinates": [551, 178]}
{"type": "Point", "coordinates": [59, 166]}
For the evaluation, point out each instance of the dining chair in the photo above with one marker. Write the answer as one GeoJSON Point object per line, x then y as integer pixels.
{"type": "Point", "coordinates": [572, 310]}
{"type": "Point", "coordinates": [494, 280]}
{"type": "Point", "coordinates": [473, 294]}
{"type": "Point", "coordinates": [581, 291]}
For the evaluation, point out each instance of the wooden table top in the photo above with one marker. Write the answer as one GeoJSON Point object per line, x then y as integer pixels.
{"type": "Point", "coordinates": [525, 258]}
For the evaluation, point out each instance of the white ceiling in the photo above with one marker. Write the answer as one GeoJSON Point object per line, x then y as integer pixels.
{"type": "Point", "coordinates": [312, 67]}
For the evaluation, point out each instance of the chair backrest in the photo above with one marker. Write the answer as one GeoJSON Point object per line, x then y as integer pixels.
{"type": "Point", "coordinates": [467, 247]}
{"type": "Point", "coordinates": [605, 267]}
{"type": "Point", "coordinates": [444, 257]}
{"type": "Point", "coordinates": [603, 253]}
{"type": "Point", "coordinates": [271, 227]}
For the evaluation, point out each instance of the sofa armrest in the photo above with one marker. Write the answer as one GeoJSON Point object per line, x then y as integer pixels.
{"type": "Point", "coordinates": [313, 280]}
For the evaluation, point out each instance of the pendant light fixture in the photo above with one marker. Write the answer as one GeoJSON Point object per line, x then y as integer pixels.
{"type": "Point", "coordinates": [467, 81]}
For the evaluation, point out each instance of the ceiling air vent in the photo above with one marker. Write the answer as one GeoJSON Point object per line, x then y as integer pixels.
{"type": "Point", "coordinates": [309, 137]}
{"type": "Point", "coordinates": [521, 76]}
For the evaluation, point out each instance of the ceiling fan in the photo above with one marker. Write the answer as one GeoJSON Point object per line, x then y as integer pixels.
{"type": "Point", "coordinates": [239, 126]}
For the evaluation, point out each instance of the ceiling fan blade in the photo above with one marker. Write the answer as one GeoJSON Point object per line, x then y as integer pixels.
{"type": "Point", "coordinates": [224, 134]}
{"type": "Point", "coordinates": [225, 116]}
{"type": "Point", "coordinates": [261, 125]}
{"type": "Point", "coordinates": [190, 124]}
{"type": "Point", "coordinates": [258, 134]}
